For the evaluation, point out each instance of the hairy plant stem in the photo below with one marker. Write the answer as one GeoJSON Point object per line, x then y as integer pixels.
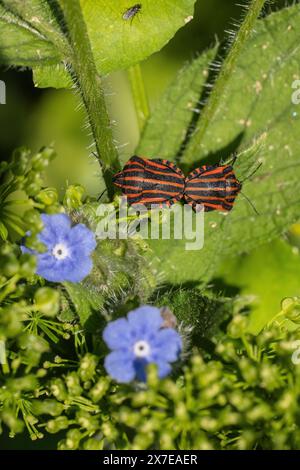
{"type": "Point", "coordinates": [88, 82]}
{"type": "Point", "coordinates": [139, 95]}
{"type": "Point", "coordinates": [222, 81]}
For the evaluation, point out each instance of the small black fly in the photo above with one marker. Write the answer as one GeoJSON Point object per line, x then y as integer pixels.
{"type": "Point", "coordinates": [132, 12]}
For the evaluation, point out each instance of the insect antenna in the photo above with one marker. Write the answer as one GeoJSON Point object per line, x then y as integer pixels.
{"type": "Point", "coordinates": [234, 159]}
{"type": "Point", "coordinates": [250, 202]}
{"type": "Point", "coordinates": [252, 173]}
{"type": "Point", "coordinates": [105, 190]}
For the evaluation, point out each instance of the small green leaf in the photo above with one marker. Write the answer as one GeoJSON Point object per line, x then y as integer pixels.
{"type": "Point", "coordinates": [51, 76]}
{"type": "Point", "coordinates": [85, 301]}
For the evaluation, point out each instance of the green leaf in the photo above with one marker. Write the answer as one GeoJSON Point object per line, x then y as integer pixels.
{"type": "Point", "coordinates": [166, 128]}
{"type": "Point", "coordinates": [267, 275]}
{"type": "Point", "coordinates": [51, 76]}
{"type": "Point", "coordinates": [31, 36]}
{"type": "Point", "coordinates": [195, 311]}
{"type": "Point", "coordinates": [118, 43]}
{"type": "Point", "coordinates": [3, 231]}
{"type": "Point", "coordinates": [257, 104]}
{"type": "Point", "coordinates": [86, 302]}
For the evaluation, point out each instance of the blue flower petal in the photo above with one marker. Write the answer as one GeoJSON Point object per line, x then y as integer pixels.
{"type": "Point", "coordinates": [48, 268]}
{"type": "Point", "coordinates": [79, 241]}
{"type": "Point", "coordinates": [163, 369]}
{"type": "Point", "coordinates": [75, 269]}
{"type": "Point", "coordinates": [166, 345]}
{"type": "Point", "coordinates": [24, 249]}
{"type": "Point", "coordinates": [117, 334]}
{"type": "Point", "coordinates": [56, 226]}
{"type": "Point", "coordinates": [145, 321]}
{"type": "Point", "coordinates": [140, 366]}
{"type": "Point", "coordinates": [119, 366]}
{"type": "Point", "coordinates": [83, 239]}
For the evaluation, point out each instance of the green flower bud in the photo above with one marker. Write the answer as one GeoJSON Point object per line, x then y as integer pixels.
{"type": "Point", "coordinates": [33, 220]}
{"type": "Point", "coordinates": [73, 439]}
{"type": "Point", "coordinates": [99, 390]}
{"type": "Point", "coordinates": [6, 249]}
{"type": "Point", "coordinates": [47, 407]}
{"type": "Point", "coordinates": [291, 308]}
{"type": "Point", "coordinates": [249, 370]}
{"type": "Point", "coordinates": [260, 412]}
{"type": "Point", "coordinates": [28, 265]}
{"type": "Point", "coordinates": [12, 422]}
{"type": "Point", "coordinates": [47, 301]}
{"type": "Point", "coordinates": [238, 326]}
{"type": "Point", "coordinates": [22, 384]}
{"type": "Point", "coordinates": [9, 265]}
{"type": "Point", "coordinates": [128, 417]}
{"type": "Point", "coordinates": [39, 162]}
{"type": "Point", "coordinates": [87, 421]}
{"type": "Point", "coordinates": [93, 443]}
{"type": "Point", "coordinates": [58, 389]}
{"type": "Point", "coordinates": [48, 153]}
{"type": "Point", "coordinates": [10, 321]}
{"type": "Point", "coordinates": [47, 196]}
{"type": "Point", "coordinates": [73, 196]}
{"type": "Point", "coordinates": [21, 157]}
{"type": "Point", "coordinates": [109, 431]}
{"type": "Point", "coordinates": [73, 384]}
{"type": "Point", "coordinates": [87, 367]}
{"type": "Point", "coordinates": [33, 184]}
{"type": "Point", "coordinates": [58, 424]}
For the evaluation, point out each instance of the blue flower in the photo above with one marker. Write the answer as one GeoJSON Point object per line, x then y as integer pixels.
{"type": "Point", "coordinates": [68, 249]}
{"type": "Point", "coordinates": [139, 340]}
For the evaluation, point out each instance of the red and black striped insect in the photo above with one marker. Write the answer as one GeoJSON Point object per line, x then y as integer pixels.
{"type": "Point", "coordinates": [215, 187]}
{"type": "Point", "coordinates": [161, 182]}
{"type": "Point", "coordinates": [149, 182]}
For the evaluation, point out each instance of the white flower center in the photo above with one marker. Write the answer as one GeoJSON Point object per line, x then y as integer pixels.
{"type": "Point", "coordinates": [60, 251]}
{"type": "Point", "coordinates": [141, 349]}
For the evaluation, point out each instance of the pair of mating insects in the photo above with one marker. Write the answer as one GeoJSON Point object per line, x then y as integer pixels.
{"type": "Point", "coordinates": [161, 182]}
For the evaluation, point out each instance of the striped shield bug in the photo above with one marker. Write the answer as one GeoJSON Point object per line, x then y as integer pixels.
{"type": "Point", "coordinates": [215, 187]}
{"type": "Point", "coordinates": [149, 182]}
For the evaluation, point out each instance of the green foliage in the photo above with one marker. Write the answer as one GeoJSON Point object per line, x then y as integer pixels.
{"type": "Point", "coordinates": [197, 314]}
{"type": "Point", "coordinates": [231, 389]}
{"type": "Point", "coordinates": [24, 173]}
{"type": "Point", "coordinates": [166, 127]}
{"type": "Point", "coordinates": [266, 275]}
{"type": "Point", "coordinates": [30, 34]}
{"type": "Point", "coordinates": [263, 126]}
{"type": "Point", "coordinates": [119, 43]}
{"type": "Point", "coordinates": [22, 41]}
{"type": "Point", "coordinates": [245, 398]}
